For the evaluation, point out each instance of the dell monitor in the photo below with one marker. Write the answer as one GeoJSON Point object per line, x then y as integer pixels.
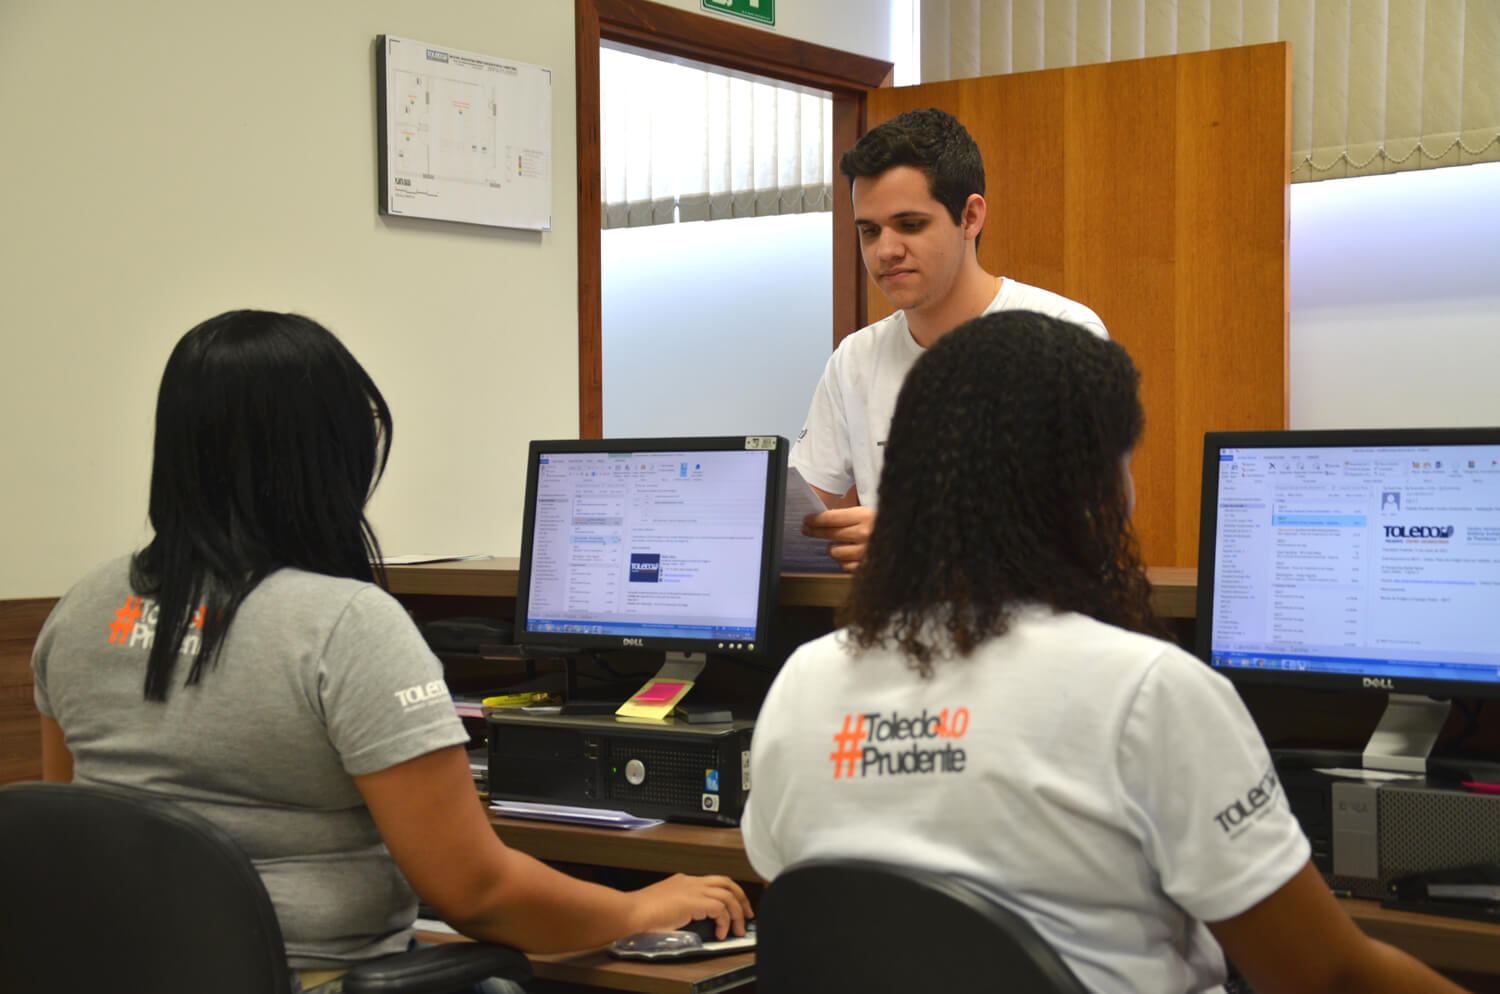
{"type": "Point", "coordinates": [668, 544]}
{"type": "Point", "coordinates": [1361, 559]}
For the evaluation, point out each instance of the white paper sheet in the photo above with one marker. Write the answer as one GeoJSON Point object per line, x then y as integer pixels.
{"type": "Point", "coordinates": [799, 552]}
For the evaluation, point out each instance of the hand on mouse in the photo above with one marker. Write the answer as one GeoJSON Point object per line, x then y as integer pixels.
{"type": "Point", "coordinates": [674, 902]}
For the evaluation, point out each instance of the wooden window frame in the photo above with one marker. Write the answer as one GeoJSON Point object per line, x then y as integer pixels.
{"type": "Point", "coordinates": [711, 40]}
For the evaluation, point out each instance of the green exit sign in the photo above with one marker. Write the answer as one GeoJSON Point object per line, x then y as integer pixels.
{"type": "Point", "coordinates": [763, 11]}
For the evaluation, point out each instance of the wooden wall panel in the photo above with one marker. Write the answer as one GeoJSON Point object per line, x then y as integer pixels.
{"type": "Point", "coordinates": [1234, 142]}
{"type": "Point", "coordinates": [1121, 244]}
{"type": "Point", "coordinates": [20, 734]}
{"type": "Point", "coordinates": [1156, 192]}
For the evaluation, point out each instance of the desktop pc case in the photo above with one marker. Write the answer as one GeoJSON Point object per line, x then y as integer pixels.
{"type": "Point", "coordinates": [1365, 835]}
{"type": "Point", "coordinates": [679, 772]}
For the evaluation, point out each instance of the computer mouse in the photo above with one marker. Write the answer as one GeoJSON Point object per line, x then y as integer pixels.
{"type": "Point", "coordinates": [704, 928]}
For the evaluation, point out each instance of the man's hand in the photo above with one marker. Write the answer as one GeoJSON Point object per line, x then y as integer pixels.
{"type": "Point", "coordinates": [848, 528]}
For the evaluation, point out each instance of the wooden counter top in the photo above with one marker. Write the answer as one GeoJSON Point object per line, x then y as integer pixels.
{"type": "Point", "coordinates": [1174, 588]}
{"type": "Point", "coordinates": [1446, 943]}
{"type": "Point", "coordinates": [666, 848]}
{"type": "Point", "coordinates": [597, 970]}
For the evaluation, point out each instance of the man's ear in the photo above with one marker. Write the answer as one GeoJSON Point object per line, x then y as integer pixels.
{"type": "Point", "coordinates": [973, 215]}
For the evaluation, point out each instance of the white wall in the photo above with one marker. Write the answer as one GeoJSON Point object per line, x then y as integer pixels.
{"type": "Point", "coordinates": [168, 160]}
{"type": "Point", "coordinates": [1395, 300]}
{"type": "Point", "coordinates": [165, 160]}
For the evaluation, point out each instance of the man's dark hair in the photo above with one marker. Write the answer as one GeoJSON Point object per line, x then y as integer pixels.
{"type": "Point", "coordinates": [269, 439]}
{"type": "Point", "coordinates": [1003, 487]}
{"type": "Point", "coordinates": [930, 140]}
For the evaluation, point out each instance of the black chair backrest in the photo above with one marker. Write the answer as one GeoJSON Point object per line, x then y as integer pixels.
{"type": "Point", "coordinates": [844, 925]}
{"type": "Point", "coordinates": [108, 889]}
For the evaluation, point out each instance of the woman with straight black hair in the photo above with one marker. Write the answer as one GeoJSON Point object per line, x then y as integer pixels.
{"type": "Point", "coordinates": [1001, 708]}
{"type": "Point", "coordinates": [245, 665]}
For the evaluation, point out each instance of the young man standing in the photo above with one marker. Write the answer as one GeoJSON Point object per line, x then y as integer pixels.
{"type": "Point", "coordinates": [917, 182]}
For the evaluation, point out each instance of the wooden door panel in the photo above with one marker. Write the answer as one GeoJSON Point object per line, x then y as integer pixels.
{"type": "Point", "coordinates": [1155, 192]}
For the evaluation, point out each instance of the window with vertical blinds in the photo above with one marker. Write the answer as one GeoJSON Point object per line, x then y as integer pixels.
{"type": "Point", "coordinates": [679, 143]}
{"type": "Point", "coordinates": [1378, 85]}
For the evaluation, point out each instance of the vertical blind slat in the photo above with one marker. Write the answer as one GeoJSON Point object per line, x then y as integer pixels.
{"type": "Point", "coordinates": [1377, 85]}
{"type": "Point", "coordinates": [678, 143]}
{"type": "Point", "coordinates": [992, 37]}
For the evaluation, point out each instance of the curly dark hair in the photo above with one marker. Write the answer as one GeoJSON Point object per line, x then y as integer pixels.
{"type": "Point", "coordinates": [930, 140]}
{"type": "Point", "coordinates": [1003, 487]}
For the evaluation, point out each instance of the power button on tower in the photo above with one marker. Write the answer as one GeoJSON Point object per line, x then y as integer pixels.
{"type": "Point", "coordinates": [635, 772]}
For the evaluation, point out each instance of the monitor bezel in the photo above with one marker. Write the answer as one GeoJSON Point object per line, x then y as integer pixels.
{"type": "Point", "coordinates": [1213, 443]}
{"type": "Point", "coordinates": [776, 448]}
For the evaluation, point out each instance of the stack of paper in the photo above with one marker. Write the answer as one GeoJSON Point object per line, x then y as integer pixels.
{"type": "Point", "coordinates": [597, 817]}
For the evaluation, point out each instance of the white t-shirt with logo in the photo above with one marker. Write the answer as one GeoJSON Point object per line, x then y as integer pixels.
{"type": "Point", "coordinates": [842, 443]}
{"type": "Point", "coordinates": [1105, 785]}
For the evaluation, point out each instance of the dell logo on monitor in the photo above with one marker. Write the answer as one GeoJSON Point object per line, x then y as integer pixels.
{"type": "Point", "coordinates": [639, 643]}
{"type": "Point", "coordinates": [1378, 683]}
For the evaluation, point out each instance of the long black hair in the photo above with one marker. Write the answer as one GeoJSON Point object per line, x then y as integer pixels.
{"type": "Point", "coordinates": [269, 440]}
{"type": "Point", "coordinates": [1003, 485]}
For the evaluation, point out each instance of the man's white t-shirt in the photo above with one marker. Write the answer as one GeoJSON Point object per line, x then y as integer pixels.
{"type": "Point", "coordinates": [1105, 785]}
{"type": "Point", "coordinates": [842, 443]}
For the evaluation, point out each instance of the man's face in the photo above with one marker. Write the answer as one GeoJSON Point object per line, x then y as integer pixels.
{"type": "Point", "coordinates": [911, 246]}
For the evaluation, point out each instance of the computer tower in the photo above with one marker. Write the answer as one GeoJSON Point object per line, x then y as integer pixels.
{"type": "Point", "coordinates": [679, 772]}
{"type": "Point", "coordinates": [1366, 834]}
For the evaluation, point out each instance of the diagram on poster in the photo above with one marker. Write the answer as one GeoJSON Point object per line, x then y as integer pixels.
{"type": "Point", "coordinates": [463, 137]}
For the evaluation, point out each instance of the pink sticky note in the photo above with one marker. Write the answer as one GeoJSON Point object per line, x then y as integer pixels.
{"type": "Point", "coordinates": [658, 692]}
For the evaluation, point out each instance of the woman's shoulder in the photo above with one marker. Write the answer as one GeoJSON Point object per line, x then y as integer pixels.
{"type": "Point", "coordinates": [319, 592]}
{"type": "Point", "coordinates": [330, 610]}
{"type": "Point", "coordinates": [817, 660]}
{"type": "Point", "coordinates": [834, 646]}
{"type": "Point", "coordinates": [1098, 642]}
{"type": "Point", "coordinates": [110, 578]}
{"type": "Point", "coordinates": [1138, 661]}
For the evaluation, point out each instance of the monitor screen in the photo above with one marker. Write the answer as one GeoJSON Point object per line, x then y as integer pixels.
{"type": "Point", "coordinates": [1359, 559]}
{"type": "Point", "coordinates": [667, 543]}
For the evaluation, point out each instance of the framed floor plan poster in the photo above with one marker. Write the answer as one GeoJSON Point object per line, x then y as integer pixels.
{"type": "Point", "coordinates": [463, 137]}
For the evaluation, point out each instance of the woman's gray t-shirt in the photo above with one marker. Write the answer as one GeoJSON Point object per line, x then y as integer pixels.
{"type": "Point", "coordinates": [319, 679]}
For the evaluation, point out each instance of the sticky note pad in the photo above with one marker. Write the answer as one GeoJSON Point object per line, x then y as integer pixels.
{"type": "Point", "coordinates": [656, 700]}
{"type": "Point", "coordinates": [659, 692]}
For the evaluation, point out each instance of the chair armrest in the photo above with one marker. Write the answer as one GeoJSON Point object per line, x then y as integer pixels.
{"type": "Point", "coordinates": [447, 967]}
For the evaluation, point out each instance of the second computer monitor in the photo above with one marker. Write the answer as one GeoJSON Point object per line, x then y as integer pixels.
{"type": "Point", "coordinates": [666, 543]}
{"type": "Point", "coordinates": [1362, 559]}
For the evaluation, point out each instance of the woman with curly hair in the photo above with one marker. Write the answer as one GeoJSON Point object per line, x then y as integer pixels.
{"type": "Point", "coordinates": [1000, 706]}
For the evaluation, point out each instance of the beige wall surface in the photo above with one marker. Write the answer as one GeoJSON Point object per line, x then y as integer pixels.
{"type": "Point", "coordinates": [165, 160]}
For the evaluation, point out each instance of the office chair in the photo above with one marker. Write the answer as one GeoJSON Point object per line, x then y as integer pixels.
{"type": "Point", "coordinates": [109, 889]}
{"type": "Point", "coordinates": [837, 926]}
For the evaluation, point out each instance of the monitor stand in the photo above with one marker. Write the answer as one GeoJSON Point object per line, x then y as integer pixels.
{"type": "Point", "coordinates": [597, 699]}
{"type": "Point", "coordinates": [1406, 734]}
{"type": "Point", "coordinates": [681, 667]}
